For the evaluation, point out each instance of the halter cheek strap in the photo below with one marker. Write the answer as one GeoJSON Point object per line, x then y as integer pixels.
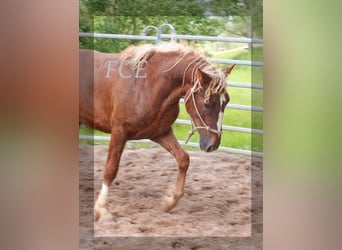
{"type": "Point", "coordinates": [217, 131]}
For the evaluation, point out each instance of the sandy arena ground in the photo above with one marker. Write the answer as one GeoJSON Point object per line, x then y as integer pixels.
{"type": "Point", "coordinates": [216, 203]}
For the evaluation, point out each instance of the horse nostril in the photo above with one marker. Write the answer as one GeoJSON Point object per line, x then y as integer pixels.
{"type": "Point", "coordinates": [208, 145]}
{"type": "Point", "coordinates": [210, 148]}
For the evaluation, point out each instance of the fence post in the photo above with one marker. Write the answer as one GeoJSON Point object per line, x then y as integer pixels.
{"type": "Point", "coordinates": [143, 32]}
{"type": "Point", "coordinates": [160, 31]}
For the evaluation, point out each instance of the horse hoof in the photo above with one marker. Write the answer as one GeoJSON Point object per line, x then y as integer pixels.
{"type": "Point", "coordinates": [168, 203]}
{"type": "Point", "coordinates": [165, 206]}
{"type": "Point", "coordinates": [170, 200]}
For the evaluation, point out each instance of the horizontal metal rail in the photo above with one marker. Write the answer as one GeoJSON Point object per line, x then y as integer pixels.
{"type": "Point", "coordinates": [174, 36]}
{"type": "Point", "coordinates": [238, 62]}
{"type": "Point", "coordinates": [188, 37]}
{"type": "Point", "coordinates": [226, 149]}
{"type": "Point", "coordinates": [118, 36]}
{"type": "Point", "coordinates": [244, 107]}
{"type": "Point", "coordinates": [245, 85]}
{"type": "Point", "coordinates": [191, 144]}
{"type": "Point", "coordinates": [238, 106]}
{"type": "Point", "coordinates": [226, 127]}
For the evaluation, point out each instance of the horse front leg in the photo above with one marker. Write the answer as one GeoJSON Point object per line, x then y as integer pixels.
{"type": "Point", "coordinates": [116, 146]}
{"type": "Point", "coordinates": [173, 194]}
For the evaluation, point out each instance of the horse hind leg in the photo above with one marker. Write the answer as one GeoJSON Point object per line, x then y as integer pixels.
{"type": "Point", "coordinates": [116, 146]}
{"type": "Point", "coordinates": [175, 193]}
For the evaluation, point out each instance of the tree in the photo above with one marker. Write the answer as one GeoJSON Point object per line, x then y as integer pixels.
{"type": "Point", "coordinates": [243, 17]}
{"type": "Point", "coordinates": [194, 17]}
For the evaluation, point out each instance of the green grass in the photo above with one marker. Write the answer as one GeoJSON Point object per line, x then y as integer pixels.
{"type": "Point", "coordinates": [240, 118]}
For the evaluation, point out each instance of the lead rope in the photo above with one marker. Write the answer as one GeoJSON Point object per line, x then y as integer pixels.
{"type": "Point", "coordinates": [191, 133]}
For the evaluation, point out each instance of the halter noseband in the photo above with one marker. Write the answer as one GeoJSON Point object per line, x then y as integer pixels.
{"type": "Point", "coordinates": [217, 131]}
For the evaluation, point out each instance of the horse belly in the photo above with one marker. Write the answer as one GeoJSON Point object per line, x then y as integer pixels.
{"type": "Point", "coordinates": [152, 127]}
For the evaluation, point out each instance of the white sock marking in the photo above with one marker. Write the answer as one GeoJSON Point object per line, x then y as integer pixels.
{"type": "Point", "coordinates": [101, 200]}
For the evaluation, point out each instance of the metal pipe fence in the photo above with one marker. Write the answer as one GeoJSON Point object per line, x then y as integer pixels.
{"type": "Point", "coordinates": [173, 36]}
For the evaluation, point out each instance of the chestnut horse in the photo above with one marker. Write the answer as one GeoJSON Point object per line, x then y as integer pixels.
{"type": "Point", "coordinates": [135, 95]}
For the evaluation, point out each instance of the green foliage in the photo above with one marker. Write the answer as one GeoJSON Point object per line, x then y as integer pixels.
{"type": "Point", "coordinates": [133, 25]}
{"type": "Point", "coordinates": [211, 17]}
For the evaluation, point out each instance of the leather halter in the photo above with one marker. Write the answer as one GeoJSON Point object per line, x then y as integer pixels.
{"type": "Point", "coordinates": [217, 131]}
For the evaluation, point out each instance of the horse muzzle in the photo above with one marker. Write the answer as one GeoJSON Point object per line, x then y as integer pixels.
{"type": "Point", "coordinates": [209, 143]}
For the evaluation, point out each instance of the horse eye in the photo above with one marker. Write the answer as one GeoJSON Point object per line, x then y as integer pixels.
{"type": "Point", "coordinates": [207, 104]}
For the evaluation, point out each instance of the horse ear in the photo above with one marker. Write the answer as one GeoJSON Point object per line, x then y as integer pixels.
{"type": "Point", "coordinates": [202, 76]}
{"type": "Point", "coordinates": [228, 69]}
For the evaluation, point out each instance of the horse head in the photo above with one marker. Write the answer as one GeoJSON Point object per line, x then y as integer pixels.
{"type": "Point", "coordinates": [205, 102]}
